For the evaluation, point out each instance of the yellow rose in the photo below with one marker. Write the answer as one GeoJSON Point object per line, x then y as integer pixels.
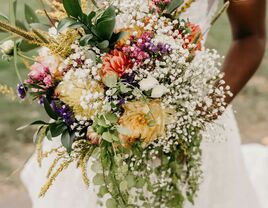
{"type": "Point", "coordinates": [144, 121]}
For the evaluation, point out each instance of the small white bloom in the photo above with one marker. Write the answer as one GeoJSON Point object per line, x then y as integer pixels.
{"type": "Point", "coordinates": [7, 47]}
{"type": "Point", "coordinates": [159, 91]}
{"type": "Point", "coordinates": [148, 83]}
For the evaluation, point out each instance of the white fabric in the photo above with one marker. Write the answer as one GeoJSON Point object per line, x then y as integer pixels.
{"type": "Point", "coordinates": [226, 182]}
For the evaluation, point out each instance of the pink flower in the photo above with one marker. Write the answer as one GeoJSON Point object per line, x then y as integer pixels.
{"type": "Point", "coordinates": [38, 72]}
{"type": "Point", "coordinates": [117, 62]}
{"type": "Point", "coordinates": [48, 81]}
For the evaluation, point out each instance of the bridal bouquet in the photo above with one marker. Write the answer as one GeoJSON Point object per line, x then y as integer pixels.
{"type": "Point", "coordinates": [130, 89]}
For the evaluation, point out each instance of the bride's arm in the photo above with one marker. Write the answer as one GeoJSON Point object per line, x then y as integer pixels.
{"type": "Point", "coordinates": [247, 19]}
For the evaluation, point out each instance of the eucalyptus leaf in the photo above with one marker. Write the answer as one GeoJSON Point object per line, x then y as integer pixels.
{"type": "Point", "coordinates": [131, 181]}
{"type": "Point", "coordinates": [110, 80]}
{"type": "Point", "coordinates": [98, 179]}
{"type": "Point", "coordinates": [111, 117]}
{"type": "Point", "coordinates": [73, 8]}
{"type": "Point", "coordinates": [30, 15]}
{"type": "Point", "coordinates": [103, 190]}
{"type": "Point", "coordinates": [123, 186]}
{"type": "Point", "coordinates": [107, 136]}
{"type": "Point", "coordinates": [111, 203]}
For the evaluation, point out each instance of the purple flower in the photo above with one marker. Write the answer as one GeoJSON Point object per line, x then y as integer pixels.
{"type": "Point", "coordinates": [64, 111]}
{"type": "Point", "coordinates": [22, 91]}
{"type": "Point", "coordinates": [121, 102]}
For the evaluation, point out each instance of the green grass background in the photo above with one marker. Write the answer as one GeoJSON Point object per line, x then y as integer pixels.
{"type": "Point", "coordinates": [251, 105]}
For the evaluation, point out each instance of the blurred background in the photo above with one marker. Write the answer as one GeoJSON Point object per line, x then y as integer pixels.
{"type": "Point", "coordinates": [251, 108]}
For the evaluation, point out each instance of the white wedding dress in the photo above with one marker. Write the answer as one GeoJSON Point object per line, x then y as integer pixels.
{"type": "Point", "coordinates": [226, 180]}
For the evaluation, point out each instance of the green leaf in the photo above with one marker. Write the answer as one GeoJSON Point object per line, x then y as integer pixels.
{"type": "Point", "coordinates": [107, 136]}
{"type": "Point", "coordinates": [111, 117]}
{"type": "Point", "coordinates": [3, 17]}
{"type": "Point", "coordinates": [48, 134]}
{"type": "Point", "coordinates": [32, 124]}
{"type": "Point", "coordinates": [36, 134]}
{"type": "Point", "coordinates": [96, 167]}
{"type": "Point", "coordinates": [123, 186]}
{"type": "Point", "coordinates": [65, 23]}
{"type": "Point", "coordinates": [116, 37]}
{"type": "Point", "coordinates": [111, 203]}
{"type": "Point", "coordinates": [98, 179]}
{"type": "Point", "coordinates": [67, 140]}
{"type": "Point", "coordinates": [73, 8]}
{"type": "Point", "coordinates": [124, 88]}
{"type": "Point", "coordinates": [21, 25]}
{"type": "Point", "coordinates": [15, 3]}
{"type": "Point", "coordinates": [57, 129]}
{"type": "Point", "coordinates": [105, 24]}
{"type": "Point", "coordinates": [25, 46]}
{"type": "Point", "coordinates": [103, 45]}
{"type": "Point", "coordinates": [90, 16]}
{"type": "Point", "coordinates": [52, 114]}
{"type": "Point", "coordinates": [173, 5]}
{"type": "Point", "coordinates": [103, 190]}
{"type": "Point", "coordinates": [110, 80]}
{"type": "Point", "coordinates": [131, 181]}
{"type": "Point", "coordinates": [40, 26]}
{"type": "Point", "coordinates": [30, 15]}
{"type": "Point", "coordinates": [85, 40]}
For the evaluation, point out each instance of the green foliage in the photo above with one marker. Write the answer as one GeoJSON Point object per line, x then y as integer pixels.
{"type": "Point", "coordinates": [30, 15]}
{"type": "Point", "coordinates": [173, 5]}
{"type": "Point", "coordinates": [73, 8]}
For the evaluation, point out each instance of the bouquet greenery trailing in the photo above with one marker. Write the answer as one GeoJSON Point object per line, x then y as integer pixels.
{"type": "Point", "coordinates": [129, 88]}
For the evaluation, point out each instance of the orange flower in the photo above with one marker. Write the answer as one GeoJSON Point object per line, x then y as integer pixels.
{"type": "Point", "coordinates": [117, 62]}
{"type": "Point", "coordinates": [196, 35]}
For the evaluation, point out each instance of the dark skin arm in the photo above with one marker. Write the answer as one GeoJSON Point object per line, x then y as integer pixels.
{"type": "Point", "coordinates": [247, 18]}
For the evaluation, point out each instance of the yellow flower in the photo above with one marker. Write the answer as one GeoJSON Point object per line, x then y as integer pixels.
{"type": "Point", "coordinates": [85, 97]}
{"type": "Point", "coordinates": [144, 121]}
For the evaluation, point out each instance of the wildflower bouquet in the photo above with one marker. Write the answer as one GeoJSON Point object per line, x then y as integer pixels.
{"type": "Point", "coordinates": [129, 88]}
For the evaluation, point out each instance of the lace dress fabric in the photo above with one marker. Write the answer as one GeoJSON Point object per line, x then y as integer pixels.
{"type": "Point", "coordinates": [226, 182]}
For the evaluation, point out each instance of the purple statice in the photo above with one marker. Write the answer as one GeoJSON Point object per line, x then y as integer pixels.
{"type": "Point", "coordinates": [22, 91]}
{"type": "Point", "coordinates": [121, 102]}
{"type": "Point", "coordinates": [143, 47]}
{"type": "Point", "coordinates": [164, 48]}
{"type": "Point", "coordinates": [130, 79]}
{"type": "Point", "coordinates": [64, 111]}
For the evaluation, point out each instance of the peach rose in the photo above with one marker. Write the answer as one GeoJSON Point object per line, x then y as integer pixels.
{"type": "Point", "coordinates": [137, 119]}
{"type": "Point", "coordinates": [117, 62]}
